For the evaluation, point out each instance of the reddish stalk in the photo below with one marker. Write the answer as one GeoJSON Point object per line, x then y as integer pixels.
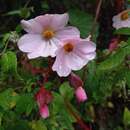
{"type": "Point", "coordinates": [92, 32]}
{"type": "Point", "coordinates": [76, 116]}
{"type": "Point", "coordinates": [96, 17]}
{"type": "Point", "coordinates": [46, 72]}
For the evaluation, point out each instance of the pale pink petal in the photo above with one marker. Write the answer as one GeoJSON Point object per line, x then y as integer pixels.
{"type": "Point", "coordinates": [74, 61]}
{"type": "Point", "coordinates": [126, 23]}
{"type": "Point", "coordinates": [68, 33]}
{"type": "Point", "coordinates": [117, 25]}
{"type": "Point", "coordinates": [30, 42]}
{"type": "Point", "coordinates": [54, 21]}
{"type": "Point", "coordinates": [91, 55]}
{"type": "Point", "coordinates": [45, 50]}
{"type": "Point", "coordinates": [51, 47]}
{"type": "Point", "coordinates": [44, 20]}
{"type": "Point", "coordinates": [86, 56]}
{"type": "Point", "coordinates": [59, 21]}
{"type": "Point", "coordinates": [86, 46]}
{"type": "Point", "coordinates": [60, 65]}
{"type": "Point", "coordinates": [88, 38]}
{"type": "Point", "coordinates": [116, 18]}
{"type": "Point", "coordinates": [44, 111]}
{"type": "Point", "coordinates": [31, 26]}
{"type": "Point", "coordinates": [81, 94]}
{"type": "Point", "coordinates": [35, 54]}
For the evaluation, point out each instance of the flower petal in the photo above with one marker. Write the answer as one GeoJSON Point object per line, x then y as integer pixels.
{"type": "Point", "coordinates": [90, 56]}
{"type": "Point", "coordinates": [74, 61]}
{"type": "Point", "coordinates": [55, 21]}
{"type": "Point", "coordinates": [34, 54]}
{"type": "Point", "coordinates": [68, 33]}
{"type": "Point", "coordinates": [43, 51]}
{"type": "Point", "coordinates": [53, 45]}
{"type": "Point", "coordinates": [44, 111]}
{"type": "Point", "coordinates": [81, 94]}
{"type": "Point", "coordinates": [44, 20]}
{"type": "Point", "coordinates": [85, 46]}
{"type": "Point", "coordinates": [50, 47]}
{"type": "Point", "coordinates": [31, 26]}
{"type": "Point", "coordinates": [30, 42]}
{"type": "Point", "coordinates": [59, 21]}
{"type": "Point", "coordinates": [60, 65]}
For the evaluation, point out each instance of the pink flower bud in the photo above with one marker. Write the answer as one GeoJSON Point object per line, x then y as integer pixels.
{"type": "Point", "coordinates": [81, 94]}
{"type": "Point", "coordinates": [43, 96]}
{"type": "Point", "coordinates": [44, 111]}
{"type": "Point", "coordinates": [75, 81]}
{"type": "Point", "coordinates": [113, 44]}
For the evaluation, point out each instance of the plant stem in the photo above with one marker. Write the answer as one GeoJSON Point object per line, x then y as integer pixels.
{"type": "Point", "coordinates": [76, 116]}
{"type": "Point", "coordinates": [96, 17]}
{"type": "Point", "coordinates": [6, 45]}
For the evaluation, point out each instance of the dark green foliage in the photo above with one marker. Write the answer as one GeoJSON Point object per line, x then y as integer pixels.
{"type": "Point", "coordinates": [107, 75]}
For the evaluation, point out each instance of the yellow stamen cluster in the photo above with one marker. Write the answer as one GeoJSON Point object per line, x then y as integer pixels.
{"type": "Point", "coordinates": [48, 34]}
{"type": "Point", "coordinates": [124, 16]}
{"type": "Point", "coordinates": [68, 47]}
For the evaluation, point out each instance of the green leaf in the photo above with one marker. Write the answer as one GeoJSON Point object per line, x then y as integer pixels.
{"type": "Point", "coordinates": [8, 99]}
{"type": "Point", "coordinates": [127, 76]}
{"type": "Point", "coordinates": [25, 104]}
{"type": "Point", "coordinates": [1, 128]}
{"type": "Point", "coordinates": [81, 20]}
{"type": "Point", "coordinates": [57, 104]}
{"type": "Point", "coordinates": [66, 91]}
{"type": "Point", "coordinates": [113, 61]}
{"type": "Point", "coordinates": [25, 12]}
{"type": "Point", "coordinates": [1, 115]}
{"type": "Point", "coordinates": [9, 64]}
{"type": "Point", "coordinates": [126, 116]}
{"type": "Point", "coordinates": [123, 31]}
{"type": "Point", "coordinates": [18, 125]}
{"type": "Point", "coordinates": [6, 38]}
{"type": "Point", "coordinates": [14, 12]}
{"type": "Point", "coordinates": [38, 125]}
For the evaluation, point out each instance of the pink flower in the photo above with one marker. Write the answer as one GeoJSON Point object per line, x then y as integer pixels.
{"type": "Point", "coordinates": [75, 80]}
{"type": "Point", "coordinates": [81, 94]}
{"type": "Point", "coordinates": [43, 98]}
{"type": "Point", "coordinates": [73, 55]}
{"type": "Point", "coordinates": [44, 111]}
{"type": "Point", "coordinates": [44, 34]}
{"type": "Point", "coordinates": [121, 20]}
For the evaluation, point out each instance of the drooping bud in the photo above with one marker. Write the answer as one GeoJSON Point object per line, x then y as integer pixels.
{"type": "Point", "coordinates": [81, 94]}
{"type": "Point", "coordinates": [44, 111]}
{"type": "Point", "coordinates": [75, 80]}
{"type": "Point", "coordinates": [43, 96]}
{"type": "Point", "coordinates": [113, 44]}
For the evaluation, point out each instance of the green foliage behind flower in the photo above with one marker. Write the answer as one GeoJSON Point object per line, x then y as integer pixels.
{"type": "Point", "coordinates": [108, 74]}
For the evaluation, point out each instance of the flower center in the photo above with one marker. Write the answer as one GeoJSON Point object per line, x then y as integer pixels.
{"type": "Point", "coordinates": [68, 47]}
{"type": "Point", "coordinates": [124, 16]}
{"type": "Point", "coordinates": [48, 34]}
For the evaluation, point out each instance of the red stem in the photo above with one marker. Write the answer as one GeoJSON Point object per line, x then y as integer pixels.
{"type": "Point", "coordinates": [96, 17]}
{"type": "Point", "coordinates": [76, 116]}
